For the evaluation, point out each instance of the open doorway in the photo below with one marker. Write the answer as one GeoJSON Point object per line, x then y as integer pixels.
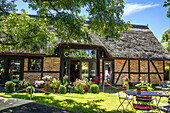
{"type": "Point", "coordinates": [108, 72]}
{"type": "Point", "coordinates": [74, 70]}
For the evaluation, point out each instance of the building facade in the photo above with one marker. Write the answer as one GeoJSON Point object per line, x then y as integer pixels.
{"type": "Point", "coordinates": [136, 54]}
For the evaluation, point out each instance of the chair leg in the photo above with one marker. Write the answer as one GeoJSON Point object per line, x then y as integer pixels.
{"type": "Point", "coordinates": [129, 103]}
{"type": "Point", "coordinates": [121, 104]}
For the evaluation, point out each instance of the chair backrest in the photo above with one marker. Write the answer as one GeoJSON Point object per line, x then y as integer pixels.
{"type": "Point", "coordinates": [144, 98]}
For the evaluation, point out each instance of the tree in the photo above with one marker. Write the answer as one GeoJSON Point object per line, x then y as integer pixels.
{"type": "Point", "coordinates": [166, 35]}
{"type": "Point", "coordinates": [166, 4]}
{"type": "Point", "coordinates": [63, 18]}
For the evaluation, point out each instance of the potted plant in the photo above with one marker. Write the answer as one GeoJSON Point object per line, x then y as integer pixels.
{"type": "Point", "coordinates": [87, 85]}
{"type": "Point", "coordinates": [47, 79]}
{"type": "Point", "coordinates": [79, 86]}
{"type": "Point", "coordinates": [126, 80]}
{"type": "Point", "coordinates": [138, 90]}
{"type": "Point", "coordinates": [39, 85]}
{"type": "Point", "coordinates": [55, 84]}
{"type": "Point", "coordinates": [23, 84]}
{"type": "Point", "coordinates": [67, 83]}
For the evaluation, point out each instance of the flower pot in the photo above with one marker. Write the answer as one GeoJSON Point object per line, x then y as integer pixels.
{"type": "Point", "coordinates": [125, 82]}
{"type": "Point", "coordinates": [55, 90]}
{"type": "Point", "coordinates": [47, 87]}
{"type": "Point", "coordinates": [42, 89]}
{"type": "Point", "coordinates": [143, 88]}
{"type": "Point", "coordinates": [47, 82]}
{"type": "Point", "coordinates": [86, 89]}
{"type": "Point", "coordinates": [138, 91]}
{"type": "Point", "coordinates": [24, 89]}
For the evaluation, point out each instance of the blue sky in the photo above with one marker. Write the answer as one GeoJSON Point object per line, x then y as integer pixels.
{"type": "Point", "coordinates": [141, 12]}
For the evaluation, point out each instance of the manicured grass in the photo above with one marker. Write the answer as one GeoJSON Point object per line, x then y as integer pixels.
{"type": "Point", "coordinates": [86, 103]}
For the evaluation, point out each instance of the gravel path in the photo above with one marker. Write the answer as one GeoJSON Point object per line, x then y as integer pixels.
{"type": "Point", "coordinates": [35, 108]}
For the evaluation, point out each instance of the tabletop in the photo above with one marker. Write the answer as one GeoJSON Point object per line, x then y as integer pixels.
{"type": "Point", "coordinates": [144, 93]}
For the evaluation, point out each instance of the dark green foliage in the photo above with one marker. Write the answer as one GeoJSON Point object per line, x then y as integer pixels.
{"type": "Point", "coordinates": [167, 73]}
{"type": "Point", "coordinates": [167, 4]}
{"type": "Point", "coordinates": [63, 20]}
{"type": "Point", "coordinates": [29, 89]}
{"type": "Point", "coordinates": [23, 84]}
{"type": "Point", "coordinates": [62, 89]}
{"type": "Point", "coordinates": [94, 88]}
{"type": "Point", "coordinates": [9, 87]}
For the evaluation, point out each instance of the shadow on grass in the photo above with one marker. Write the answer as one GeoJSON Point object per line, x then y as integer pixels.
{"type": "Point", "coordinates": [69, 104]}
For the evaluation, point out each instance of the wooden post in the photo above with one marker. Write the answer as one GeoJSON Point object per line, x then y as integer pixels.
{"type": "Point", "coordinates": [31, 93]}
{"type": "Point", "coordinates": [103, 85]}
{"type": "Point", "coordinates": [31, 90]}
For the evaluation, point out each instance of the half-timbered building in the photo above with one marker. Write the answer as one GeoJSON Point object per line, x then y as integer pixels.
{"type": "Point", "coordinates": [137, 53]}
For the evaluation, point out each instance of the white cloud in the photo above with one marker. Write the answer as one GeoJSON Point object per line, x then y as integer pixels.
{"type": "Point", "coordinates": [133, 8]}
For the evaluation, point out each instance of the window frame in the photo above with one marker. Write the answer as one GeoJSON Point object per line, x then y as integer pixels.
{"type": "Point", "coordinates": [29, 64]}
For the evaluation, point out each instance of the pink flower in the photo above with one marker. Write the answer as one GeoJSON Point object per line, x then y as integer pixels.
{"type": "Point", "coordinates": [75, 87]}
{"type": "Point", "coordinates": [126, 77]}
{"type": "Point", "coordinates": [129, 80]}
{"type": "Point", "coordinates": [69, 86]}
{"type": "Point", "coordinates": [122, 78]}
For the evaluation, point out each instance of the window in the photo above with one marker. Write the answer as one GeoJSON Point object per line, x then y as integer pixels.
{"type": "Point", "coordinates": [35, 64]}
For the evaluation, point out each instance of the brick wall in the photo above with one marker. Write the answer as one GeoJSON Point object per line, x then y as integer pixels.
{"type": "Point", "coordinates": [32, 77]}
{"type": "Point", "coordinates": [54, 75]}
{"type": "Point", "coordinates": [51, 64]}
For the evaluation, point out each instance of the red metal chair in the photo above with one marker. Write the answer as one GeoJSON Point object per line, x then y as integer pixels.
{"type": "Point", "coordinates": [140, 105]}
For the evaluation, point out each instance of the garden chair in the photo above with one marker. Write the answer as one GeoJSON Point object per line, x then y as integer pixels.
{"type": "Point", "coordinates": [165, 108]}
{"type": "Point", "coordinates": [140, 103]}
{"type": "Point", "coordinates": [122, 99]}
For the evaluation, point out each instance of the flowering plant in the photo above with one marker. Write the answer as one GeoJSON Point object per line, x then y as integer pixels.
{"type": "Point", "coordinates": [79, 85]}
{"type": "Point", "coordinates": [39, 84]}
{"type": "Point", "coordinates": [47, 78]}
{"type": "Point", "coordinates": [67, 83]}
{"type": "Point", "coordinates": [55, 83]}
{"type": "Point", "coordinates": [65, 79]}
{"type": "Point", "coordinates": [126, 79]}
{"type": "Point", "coordinates": [24, 84]}
{"type": "Point", "coordinates": [88, 83]}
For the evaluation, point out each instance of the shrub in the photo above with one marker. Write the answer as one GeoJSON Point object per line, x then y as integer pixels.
{"type": "Point", "coordinates": [23, 84]}
{"type": "Point", "coordinates": [62, 89]}
{"type": "Point", "coordinates": [94, 88]}
{"type": "Point", "coordinates": [29, 89]}
{"type": "Point", "coordinates": [167, 73]}
{"type": "Point", "coordinates": [10, 86]}
{"type": "Point", "coordinates": [79, 85]}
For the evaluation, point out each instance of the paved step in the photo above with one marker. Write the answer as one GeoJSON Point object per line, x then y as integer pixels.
{"type": "Point", "coordinates": [6, 102]}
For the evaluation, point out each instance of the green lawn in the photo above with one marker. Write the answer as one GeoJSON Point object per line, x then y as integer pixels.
{"type": "Point", "coordinates": [102, 102]}
{"type": "Point", "coordinates": [88, 102]}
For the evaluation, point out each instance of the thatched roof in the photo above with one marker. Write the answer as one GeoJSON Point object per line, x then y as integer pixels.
{"type": "Point", "coordinates": [138, 43]}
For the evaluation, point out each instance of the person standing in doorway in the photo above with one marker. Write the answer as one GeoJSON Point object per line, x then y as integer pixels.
{"type": "Point", "coordinates": [108, 76]}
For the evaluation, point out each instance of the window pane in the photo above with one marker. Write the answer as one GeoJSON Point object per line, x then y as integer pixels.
{"type": "Point", "coordinates": [93, 69]}
{"type": "Point", "coordinates": [85, 70]}
{"type": "Point", "coordinates": [15, 70]}
{"type": "Point", "coordinates": [2, 71]}
{"type": "Point", "coordinates": [35, 65]}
